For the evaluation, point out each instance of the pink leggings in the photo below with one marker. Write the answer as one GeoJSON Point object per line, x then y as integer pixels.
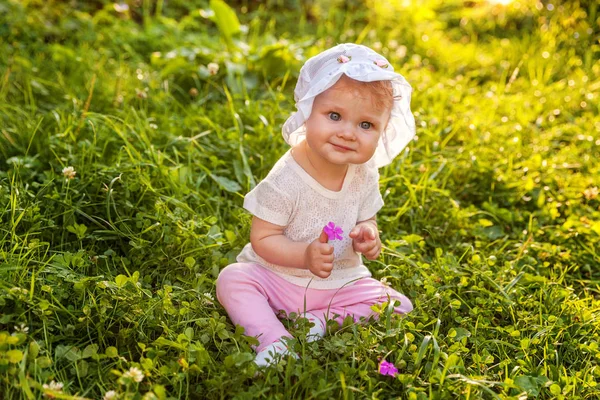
{"type": "Point", "coordinates": [252, 295]}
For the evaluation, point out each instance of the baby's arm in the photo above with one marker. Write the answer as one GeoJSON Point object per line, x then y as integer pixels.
{"type": "Point", "coordinates": [365, 238]}
{"type": "Point", "coordinates": [269, 242]}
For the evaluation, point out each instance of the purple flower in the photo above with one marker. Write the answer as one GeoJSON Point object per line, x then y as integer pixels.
{"type": "Point", "coordinates": [333, 232]}
{"type": "Point", "coordinates": [387, 368]}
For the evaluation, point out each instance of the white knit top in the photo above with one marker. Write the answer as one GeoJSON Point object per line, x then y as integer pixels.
{"type": "Point", "coordinates": [290, 197]}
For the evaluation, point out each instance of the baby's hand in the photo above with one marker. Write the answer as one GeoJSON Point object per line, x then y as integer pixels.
{"type": "Point", "coordinates": [365, 239]}
{"type": "Point", "coordinates": [318, 257]}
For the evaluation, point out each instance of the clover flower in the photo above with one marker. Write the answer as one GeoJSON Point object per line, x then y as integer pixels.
{"type": "Point", "coordinates": [53, 387]}
{"type": "Point", "coordinates": [134, 373]}
{"type": "Point", "coordinates": [110, 395]}
{"type": "Point", "coordinates": [213, 68]}
{"type": "Point", "coordinates": [591, 193]}
{"type": "Point", "coordinates": [121, 7]}
{"type": "Point", "coordinates": [141, 94]}
{"type": "Point", "coordinates": [387, 368]}
{"type": "Point", "coordinates": [333, 232]}
{"type": "Point", "coordinates": [17, 290]}
{"type": "Point", "coordinates": [56, 386]}
{"type": "Point", "coordinates": [21, 328]}
{"type": "Point", "coordinates": [69, 172]}
{"type": "Point", "coordinates": [208, 298]}
{"type": "Point", "coordinates": [149, 396]}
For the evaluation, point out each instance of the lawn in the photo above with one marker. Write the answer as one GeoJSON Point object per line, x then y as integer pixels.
{"type": "Point", "coordinates": [130, 132]}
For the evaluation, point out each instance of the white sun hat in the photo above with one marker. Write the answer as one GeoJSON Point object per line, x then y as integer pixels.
{"type": "Point", "coordinates": [360, 63]}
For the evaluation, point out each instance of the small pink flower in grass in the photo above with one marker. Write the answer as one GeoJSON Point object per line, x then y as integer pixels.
{"type": "Point", "coordinates": [333, 232]}
{"type": "Point", "coordinates": [343, 59]}
{"type": "Point", "coordinates": [387, 368]}
{"type": "Point", "coordinates": [381, 63]}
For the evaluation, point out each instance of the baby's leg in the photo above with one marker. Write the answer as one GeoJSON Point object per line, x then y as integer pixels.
{"type": "Point", "coordinates": [250, 298]}
{"type": "Point", "coordinates": [356, 300]}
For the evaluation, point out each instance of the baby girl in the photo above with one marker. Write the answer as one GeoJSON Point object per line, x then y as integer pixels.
{"type": "Point", "coordinates": [314, 215]}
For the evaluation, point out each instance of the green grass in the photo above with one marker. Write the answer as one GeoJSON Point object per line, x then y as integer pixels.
{"type": "Point", "coordinates": [491, 223]}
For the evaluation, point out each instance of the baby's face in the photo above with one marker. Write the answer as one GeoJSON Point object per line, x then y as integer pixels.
{"type": "Point", "coordinates": [345, 124]}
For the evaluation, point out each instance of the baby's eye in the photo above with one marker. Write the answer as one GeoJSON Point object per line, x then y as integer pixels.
{"type": "Point", "coordinates": [334, 116]}
{"type": "Point", "coordinates": [366, 125]}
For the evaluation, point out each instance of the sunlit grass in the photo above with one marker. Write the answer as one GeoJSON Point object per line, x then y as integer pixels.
{"type": "Point", "coordinates": [502, 2]}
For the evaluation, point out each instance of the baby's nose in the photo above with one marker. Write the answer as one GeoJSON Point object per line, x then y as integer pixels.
{"type": "Point", "coordinates": [347, 132]}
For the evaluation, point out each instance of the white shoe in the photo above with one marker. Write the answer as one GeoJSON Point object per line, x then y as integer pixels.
{"type": "Point", "coordinates": [317, 331]}
{"type": "Point", "coordinates": [273, 353]}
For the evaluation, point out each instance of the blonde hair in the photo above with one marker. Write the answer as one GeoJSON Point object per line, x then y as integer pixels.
{"type": "Point", "coordinates": [382, 93]}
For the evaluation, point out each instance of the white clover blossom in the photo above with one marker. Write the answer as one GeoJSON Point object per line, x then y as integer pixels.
{"type": "Point", "coordinates": [69, 172]}
{"type": "Point", "coordinates": [141, 94]}
{"type": "Point", "coordinates": [213, 68]}
{"type": "Point", "coordinates": [54, 387]}
{"type": "Point", "coordinates": [22, 328]}
{"type": "Point", "coordinates": [17, 289]}
{"type": "Point", "coordinates": [591, 193]}
{"type": "Point", "coordinates": [208, 298]}
{"type": "Point", "coordinates": [110, 395]}
{"type": "Point", "coordinates": [150, 396]}
{"type": "Point", "coordinates": [134, 373]}
{"type": "Point", "coordinates": [121, 7]}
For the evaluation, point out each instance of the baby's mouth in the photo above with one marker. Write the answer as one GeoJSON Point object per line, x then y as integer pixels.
{"type": "Point", "coordinates": [341, 147]}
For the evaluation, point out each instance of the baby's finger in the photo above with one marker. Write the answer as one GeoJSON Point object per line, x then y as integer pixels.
{"type": "Point", "coordinates": [325, 270]}
{"type": "Point", "coordinates": [327, 249]}
{"type": "Point", "coordinates": [365, 247]}
{"type": "Point", "coordinates": [373, 253]}
{"type": "Point", "coordinates": [360, 247]}
{"type": "Point", "coordinates": [358, 233]}
{"type": "Point", "coordinates": [322, 274]}
{"type": "Point", "coordinates": [376, 249]}
{"type": "Point", "coordinates": [328, 258]}
{"type": "Point", "coordinates": [370, 234]}
{"type": "Point", "coordinates": [328, 266]}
